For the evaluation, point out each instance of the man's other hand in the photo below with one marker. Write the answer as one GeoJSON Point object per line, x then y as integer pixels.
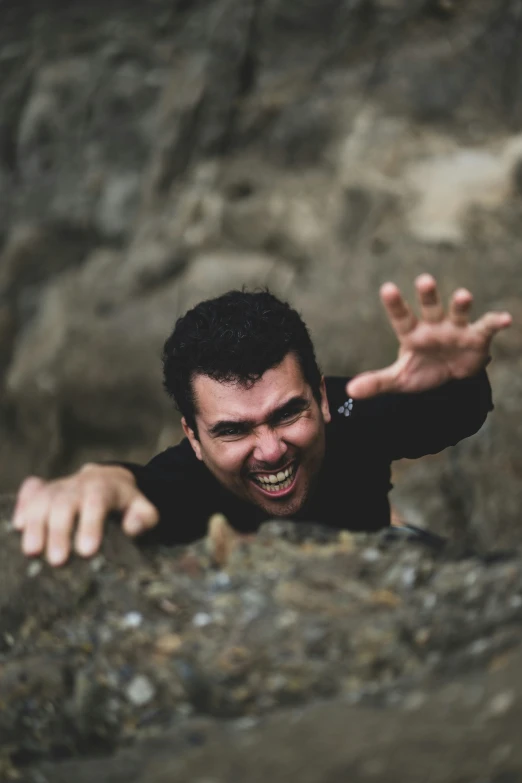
{"type": "Point", "coordinates": [435, 348]}
{"type": "Point", "coordinates": [57, 516]}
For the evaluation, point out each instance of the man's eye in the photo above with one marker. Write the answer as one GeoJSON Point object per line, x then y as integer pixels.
{"type": "Point", "coordinates": [231, 433]}
{"type": "Point", "coordinates": [288, 415]}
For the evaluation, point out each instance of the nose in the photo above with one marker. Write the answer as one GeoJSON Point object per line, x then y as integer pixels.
{"type": "Point", "coordinates": [269, 448]}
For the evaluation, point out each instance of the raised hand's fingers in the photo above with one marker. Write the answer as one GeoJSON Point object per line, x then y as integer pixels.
{"type": "Point", "coordinates": [460, 306]}
{"type": "Point", "coordinates": [62, 516]}
{"type": "Point", "coordinates": [35, 524]}
{"type": "Point", "coordinates": [140, 516]}
{"type": "Point", "coordinates": [429, 299]}
{"type": "Point", "coordinates": [401, 317]}
{"type": "Point", "coordinates": [368, 384]}
{"type": "Point", "coordinates": [94, 510]}
{"type": "Point", "coordinates": [27, 491]}
{"type": "Point", "coordinates": [491, 323]}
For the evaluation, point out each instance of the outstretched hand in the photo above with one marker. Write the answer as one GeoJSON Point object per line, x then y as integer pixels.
{"type": "Point", "coordinates": [434, 348]}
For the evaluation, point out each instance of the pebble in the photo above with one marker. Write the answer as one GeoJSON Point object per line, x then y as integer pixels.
{"type": "Point", "coordinates": [132, 620]}
{"type": "Point", "coordinates": [221, 581]}
{"type": "Point", "coordinates": [34, 569]}
{"type": "Point", "coordinates": [287, 619]}
{"type": "Point", "coordinates": [346, 540]}
{"type": "Point", "coordinates": [471, 578]}
{"type": "Point", "coordinates": [185, 710]}
{"type": "Point", "coordinates": [97, 563]}
{"type": "Point", "coordinates": [201, 619]}
{"type": "Point", "coordinates": [371, 555]}
{"type": "Point", "coordinates": [169, 643]}
{"type": "Point", "coordinates": [501, 703]}
{"type": "Point", "coordinates": [478, 647]}
{"type": "Point", "coordinates": [140, 690]}
{"type": "Point", "coordinates": [246, 723]}
{"type": "Point", "coordinates": [409, 576]}
{"type": "Point", "coordinates": [105, 635]}
{"type": "Point", "coordinates": [422, 636]}
{"type": "Point", "coordinates": [414, 701]}
{"type": "Point", "coordinates": [385, 598]}
{"type": "Point", "coordinates": [275, 682]}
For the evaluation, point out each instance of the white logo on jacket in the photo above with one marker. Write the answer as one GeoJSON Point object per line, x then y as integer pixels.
{"type": "Point", "coordinates": [346, 408]}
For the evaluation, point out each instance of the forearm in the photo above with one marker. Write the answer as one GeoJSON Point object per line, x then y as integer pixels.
{"type": "Point", "coordinates": [181, 518]}
{"type": "Point", "coordinates": [430, 421]}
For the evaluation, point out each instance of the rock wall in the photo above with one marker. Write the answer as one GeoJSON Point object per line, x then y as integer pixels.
{"type": "Point", "coordinates": [296, 654]}
{"type": "Point", "coordinates": [154, 154]}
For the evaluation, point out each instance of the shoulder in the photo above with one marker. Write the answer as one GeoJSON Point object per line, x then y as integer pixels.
{"type": "Point", "coordinates": [180, 458]}
{"type": "Point", "coordinates": [336, 391]}
{"type": "Point", "coordinates": [342, 406]}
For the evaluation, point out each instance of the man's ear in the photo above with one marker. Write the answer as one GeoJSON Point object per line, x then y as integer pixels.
{"type": "Point", "coordinates": [194, 442]}
{"type": "Point", "coordinates": [325, 408]}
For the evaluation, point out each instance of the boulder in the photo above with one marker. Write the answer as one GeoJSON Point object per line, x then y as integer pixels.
{"type": "Point", "coordinates": [299, 651]}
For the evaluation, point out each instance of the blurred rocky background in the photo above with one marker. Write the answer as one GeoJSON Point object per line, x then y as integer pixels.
{"type": "Point", "coordinates": [155, 153]}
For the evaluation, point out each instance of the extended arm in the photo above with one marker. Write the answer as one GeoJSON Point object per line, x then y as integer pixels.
{"type": "Point", "coordinates": [412, 425]}
{"type": "Point", "coordinates": [437, 391]}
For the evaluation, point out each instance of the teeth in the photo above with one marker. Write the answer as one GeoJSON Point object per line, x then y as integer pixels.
{"type": "Point", "coordinates": [275, 482]}
{"type": "Point", "coordinates": [278, 487]}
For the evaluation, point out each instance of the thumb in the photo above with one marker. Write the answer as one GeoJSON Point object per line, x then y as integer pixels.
{"type": "Point", "coordinates": [493, 322]}
{"type": "Point", "coordinates": [140, 516]}
{"type": "Point", "coordinates": [368, 384]}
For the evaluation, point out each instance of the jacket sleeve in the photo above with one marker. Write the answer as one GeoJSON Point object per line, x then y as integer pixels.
{"type": "Point", "coordinates": [172, 488]}
{"type": "Point", "coordinates": [413, 425]}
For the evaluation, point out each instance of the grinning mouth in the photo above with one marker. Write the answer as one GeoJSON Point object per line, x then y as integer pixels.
{"type": "Point", "coordinates": [275, 482]}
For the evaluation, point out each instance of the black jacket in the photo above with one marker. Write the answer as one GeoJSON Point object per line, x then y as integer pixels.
{"type": "Point", "coordinates": [362, 439]}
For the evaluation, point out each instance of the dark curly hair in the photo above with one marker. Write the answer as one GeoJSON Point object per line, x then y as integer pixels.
{"type": "Point", "coordinates": [236, 337]}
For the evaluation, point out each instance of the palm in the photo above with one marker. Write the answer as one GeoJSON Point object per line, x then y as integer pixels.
{"type": "Point", "coordinates": [435, 348]}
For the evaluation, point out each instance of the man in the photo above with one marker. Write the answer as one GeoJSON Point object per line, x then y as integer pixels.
{"type": "Point", "coordinates": [267, 436]}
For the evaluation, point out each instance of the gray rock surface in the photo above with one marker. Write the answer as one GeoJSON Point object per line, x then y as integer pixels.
{"type": "Point", "coordinates": [445, 733]}
{"type": "Point", "coordinates": [296, 653]}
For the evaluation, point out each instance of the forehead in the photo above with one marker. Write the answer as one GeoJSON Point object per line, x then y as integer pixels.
{"type": "Point", "coordinates": [217, 401]}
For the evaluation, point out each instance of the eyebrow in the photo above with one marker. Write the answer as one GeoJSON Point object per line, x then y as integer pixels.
{"type": "Point", "coordinates": [297, 403]}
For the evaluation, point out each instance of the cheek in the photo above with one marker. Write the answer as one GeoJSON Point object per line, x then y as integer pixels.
{"type": "Point", "coordinates": [230, 457]}
{"type": "Point", "coordinates": [303, 433]}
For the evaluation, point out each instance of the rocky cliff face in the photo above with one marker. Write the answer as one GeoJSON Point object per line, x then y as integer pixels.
{"type": "Point", "coordinates": [154, 154]}
{"type": "Point", "coordinates": [296, 654]}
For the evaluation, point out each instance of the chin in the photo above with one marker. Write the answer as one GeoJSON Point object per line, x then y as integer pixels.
{"type": "Point", "coordinates": [285, 507]}
{"type": "Point", "coordinates": [289, 509]}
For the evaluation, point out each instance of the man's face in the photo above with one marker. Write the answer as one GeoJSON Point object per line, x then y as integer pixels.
{"type": "Point", "coordinates": [265, 443]}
